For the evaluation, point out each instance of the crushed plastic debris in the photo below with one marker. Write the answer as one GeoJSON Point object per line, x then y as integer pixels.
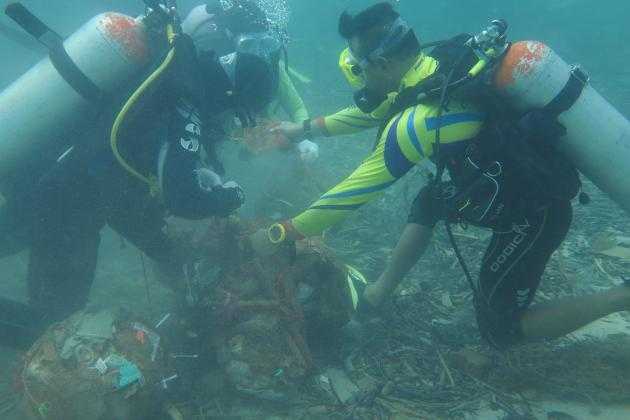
{"type": "Point", "coordinates": [89, 365]}
{"type": "Point", "coordinates": [164, 382]}
{"type": "Point", "coordinates": [128, 373]}
{"type": "Point", "coordinates": [100, 366]}
{"type": "Point", "coordinates": [154, 339]}
{"type": "Point", "coordinates": [162, 321]}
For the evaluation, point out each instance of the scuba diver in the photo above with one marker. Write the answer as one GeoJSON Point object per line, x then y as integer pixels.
{"type": "Point", "coordinates": [243, 26]}
{"type": "Point", "coordinates": [144, 158]}
{"type": "Point", "coordinates": [505, 175]}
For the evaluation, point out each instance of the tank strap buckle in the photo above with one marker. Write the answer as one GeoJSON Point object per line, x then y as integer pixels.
{"type": "Point", "coordinates": [579, 74]}
{"type": "Point", "coordinates": [570, 93]}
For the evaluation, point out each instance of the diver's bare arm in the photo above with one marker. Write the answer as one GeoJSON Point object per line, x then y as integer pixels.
{"type": "Point", "coordinates": [410, 247]}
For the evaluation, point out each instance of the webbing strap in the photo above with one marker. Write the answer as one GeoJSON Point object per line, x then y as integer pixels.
{"type": "Point", "coordinates": [73, 75]}
{"type": "Point", "coordinates": [59, 57]}
{"type": "Point", "coordinates": [569, 94]}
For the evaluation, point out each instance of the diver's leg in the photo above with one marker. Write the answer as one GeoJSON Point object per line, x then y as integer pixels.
{"type": "Point", "coordinates": [510, 275]}
{"type": "Point", "coordinates": [410, 247]}
{"type": "Point", "coordinates": [61, 270]}
{"type": "Point", "coordinates": [512, 269]}
{"type": "Point", "coordinates": [64, 244]}
{"type": "Point", "coordinates": [142, 224]}
{"type": "Point", "coordinates": [558, 318]}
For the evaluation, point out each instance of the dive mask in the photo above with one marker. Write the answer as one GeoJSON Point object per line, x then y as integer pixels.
{"type": "Point", "coordinates": [351, 70]}
{"type": "Point", "coordinates": [396, 34]}
{"type": "Point", "coordinates": [252, 79]}
{"type": "Point", "coordinates": [261, 44]}
{"type": "Point", "coordinates": [353, 66]}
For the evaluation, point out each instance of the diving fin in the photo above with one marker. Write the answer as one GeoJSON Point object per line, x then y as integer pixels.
{"type": "Point", "coordinates": [20, 324]}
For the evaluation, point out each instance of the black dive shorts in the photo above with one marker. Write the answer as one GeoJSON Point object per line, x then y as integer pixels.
{"type": "Point", "coordinates": [512, 267]}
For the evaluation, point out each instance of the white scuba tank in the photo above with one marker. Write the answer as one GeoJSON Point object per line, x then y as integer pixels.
{"type": "Point", "coordinates": [40, 108]}
{"type": "Point", "coordinates": [598, 136]}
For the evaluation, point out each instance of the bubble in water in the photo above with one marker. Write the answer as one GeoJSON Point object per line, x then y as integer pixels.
{"type": "Point", "coordinates": [226, 4]}
{"type": "Point", "coordinates": [278, 14]}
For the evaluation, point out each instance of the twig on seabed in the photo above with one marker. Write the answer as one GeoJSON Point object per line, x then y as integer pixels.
{"type": "Point", "coordinates": [600, 266]}
{"type": "Point", "coordinates": [505, 396]}
{"type": "Point", "coordinates": [445, 366]}
{"type": "Point", "coordinates": [8, 404]}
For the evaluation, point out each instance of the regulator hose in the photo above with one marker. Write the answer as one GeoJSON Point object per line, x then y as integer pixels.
{"type": "Point", "coordinates": [150, 180]}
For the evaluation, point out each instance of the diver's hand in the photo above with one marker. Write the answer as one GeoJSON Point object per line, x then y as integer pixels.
{"type": "Point", "coordinates": [309, 151]}
{"type": "Point", "coordinates": [292, 131]}
{"type": "Point", "coordinates": [208, 179]}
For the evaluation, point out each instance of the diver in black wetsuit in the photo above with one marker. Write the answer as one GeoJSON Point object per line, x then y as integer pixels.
{"type": "Point", "coordinates": [168, 139]}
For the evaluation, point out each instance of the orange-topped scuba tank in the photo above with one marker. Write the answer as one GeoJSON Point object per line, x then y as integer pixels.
{"type": "Point", "coordinates": [528, 75]}
{"type": "Point", "coordinates": [532, 75]}
{"type": "Point", "coordinates": [45, 107]}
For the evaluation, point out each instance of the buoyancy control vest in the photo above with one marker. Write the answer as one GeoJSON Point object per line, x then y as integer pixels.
{"type": "Point", "coordinates": [513, 150]}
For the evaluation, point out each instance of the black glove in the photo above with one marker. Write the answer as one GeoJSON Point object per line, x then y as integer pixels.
{"type": "Point", "coordinates": [227, 198]}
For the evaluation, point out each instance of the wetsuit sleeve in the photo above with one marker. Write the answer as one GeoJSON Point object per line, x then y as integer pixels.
{"type": "Point", "coordinates": [290, 99]}
{"type": "Point", "coordinates": [189, 188]}
{"type": "Point", "coordinates": [347, 121]}
{"type": "Point", "coordinates": [406, 140]}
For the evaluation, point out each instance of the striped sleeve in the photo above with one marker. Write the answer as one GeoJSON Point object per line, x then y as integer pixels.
{"type": "Point", "coordinates": [348, 121]}
{"type": "Point", "coordinates": [407, 139]}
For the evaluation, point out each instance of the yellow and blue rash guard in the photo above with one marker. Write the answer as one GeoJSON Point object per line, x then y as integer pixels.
{"type": "Point", "coordinates": [407, 139]}
{"type": "Point", "coordinates": [350, 120]}
{"type": "Point", "coordinates": [287, 98]}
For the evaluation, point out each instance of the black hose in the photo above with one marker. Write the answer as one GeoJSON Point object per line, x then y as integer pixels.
{"type": "Point", "coordinates": [460, 258]}
{"type": "Point", "coordinates": [441, 165]}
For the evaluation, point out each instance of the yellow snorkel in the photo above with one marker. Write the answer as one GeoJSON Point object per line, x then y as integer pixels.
{"type": "Point", "coordinates": [150, 180]}
{"type": "Point", "coordinates": [351, 70]}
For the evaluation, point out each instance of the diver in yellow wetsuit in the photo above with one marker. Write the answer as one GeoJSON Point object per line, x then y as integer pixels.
{"type": "Point", "coordinates": [492, 185]}
{"type": "Point", "coordinates": [287, 99]}
{"type": "Point", "coordinates": [226, 27]}
{"type": "Point", "coordinates": [406, 139]}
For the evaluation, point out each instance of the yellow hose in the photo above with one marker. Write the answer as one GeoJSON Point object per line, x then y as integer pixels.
{"type": "Point", "coordinates": [150, 180]}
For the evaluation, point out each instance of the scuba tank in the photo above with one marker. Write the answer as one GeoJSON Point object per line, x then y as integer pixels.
{"type": "Point", "coordinates": [532, 75]}
{"type": "Point", "coordinates": [41, 112]}
{"type": "Point", "coordinates": [52, 99]}
{"type": "Point", "coordinates": [529, 75]}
